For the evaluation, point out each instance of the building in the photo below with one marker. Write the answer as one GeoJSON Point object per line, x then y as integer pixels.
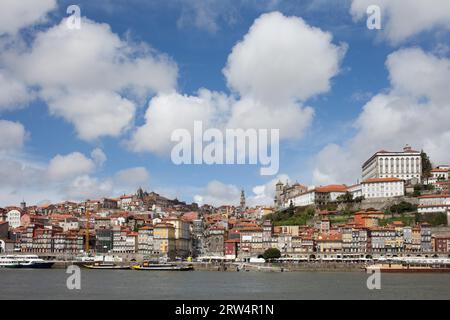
{"type": "Point", "coordinates": [405, 165]}
{"type": "Point", "coordinates": [214, 241]}
{"type": "Point", "coordinates": [441, 243]}
{"type": "Point", "coordinates": [4, 227]}
{"type": "Point", "coordinates": [318, 196]}
{"type": "Point", "coordinates": [329, 243]}
{"type": "Point", "coordinates": [439, 174]}
{"type": "Point", "coordinates": [355, 240]}
{"type": "Point", "coordinates": [434, 203]}
{"type": "Point", "coordinates": [285, 193]}
{"type": "Point", "coordinates": [164, 240]}
{"type": "Point", "coordinates": [251, 239]}
{"type": "Point", "coordinates": [383, 188]}
{"type": "Point", "coordinates": [182, 236]}
{"type": "Point", "coordinates": [13, 218]}
{"type": "Point", "coordinates": [145, 240]}
{"type": "Point", "coordinates": [104, 240]}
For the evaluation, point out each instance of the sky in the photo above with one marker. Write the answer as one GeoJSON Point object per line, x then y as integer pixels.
{"type": "Point", "coordinates": [88, 113]}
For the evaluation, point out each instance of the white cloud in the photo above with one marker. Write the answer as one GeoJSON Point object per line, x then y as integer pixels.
{"type": "Point", "coordinates": [13, 93]}
{"type": "Point", "coordinates": [414, 111]}
{"type": "Point", "coordinates": [98, 156]}
{"type": "Point", "coordinates": [132, 178]}
{"type": "Point", "coordinates": [62, 168]}
{"type": "Point", "coordinates": [86, 187]}
{"type": "Point", "coordinates": [280, 63]}
{"type": "Point", "coordinates": [15, 15]}
{"type": "Point", "coordinates": [217, 193]}
{"type": "Point", "coordinates": [91, 77]}
{"type": "Point", "coordinates": [12, 136]}
{"type": "Point", "coordinates": [167, 112]}
{"type": "Point", "coordinates": [283, 59]}
{"type": "Point", "coordinates": [402, 20]}
{"type": "Point", "coordinates": [265, 194]}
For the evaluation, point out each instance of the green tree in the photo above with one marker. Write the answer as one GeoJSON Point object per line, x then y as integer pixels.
{"type": "Point", "coordinates": [272, 253]}
{"type": "Point", "coordinates": [426, 166]}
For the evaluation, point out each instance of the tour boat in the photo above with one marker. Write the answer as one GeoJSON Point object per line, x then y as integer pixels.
{"type": "Point", "coordinates": [25, 262]}
{"type": "Point", "coordinates": [8, 262]}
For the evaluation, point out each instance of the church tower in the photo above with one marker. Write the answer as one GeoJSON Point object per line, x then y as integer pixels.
{"type": "Point", "coordinates": [242, 203]}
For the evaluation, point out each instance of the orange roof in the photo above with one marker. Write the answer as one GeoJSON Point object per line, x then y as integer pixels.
{"type": "Point", "coordinates": [441, 170]}
{"type": "Point", "coordinates": [332, 188]}
{"type": "Point", "coordinates": [431, 196]}
{"type": "Point", "coordinates": [378, 180]}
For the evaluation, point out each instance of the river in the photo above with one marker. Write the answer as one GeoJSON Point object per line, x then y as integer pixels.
{"type": "Point", "coordinates": [123, 284]}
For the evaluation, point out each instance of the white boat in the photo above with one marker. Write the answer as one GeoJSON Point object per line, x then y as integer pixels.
{"type": "Point", "coordinates": [25, 262]}
{"type": "Point", "coordinates": [8, 262]}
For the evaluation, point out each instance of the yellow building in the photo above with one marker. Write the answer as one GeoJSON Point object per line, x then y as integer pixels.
{"type": "Point", "coordinates": [164, 240]}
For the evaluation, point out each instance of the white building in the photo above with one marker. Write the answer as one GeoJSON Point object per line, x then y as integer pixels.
{"type": "Point", "coordinates": [441, 173]}
{"type": "Point", "coordinates": [318, 196]}
{"type": "Point", "coordinates": [13, 218]}
{"type": "Point", "coordinates": [405, 165]}
{"type": "Point", "coordinates": [434, 203]}
{"type": "Point", "coordinates": [383, 188]}
{"type": "Point", "coordinates": [355, 190]}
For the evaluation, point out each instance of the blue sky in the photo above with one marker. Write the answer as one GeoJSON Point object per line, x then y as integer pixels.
{"type": "Point", "coordinates": [198, 38]}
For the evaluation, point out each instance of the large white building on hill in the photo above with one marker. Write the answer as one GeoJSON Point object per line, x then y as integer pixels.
{"type": "Point", "coordinates": [405, 165]}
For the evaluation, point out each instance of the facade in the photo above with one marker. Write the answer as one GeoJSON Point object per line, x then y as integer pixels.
{"type": "Point", "coordinates": [285, 193]}
{"type": "Point", "coordinates": [383, 188]}
{"type": "Point", "coordinates": [318, 196]}
{"type": "Point", "coordinates": [145, 240]}
{"type": "Point", "coordinates": [405, 165]}
{"type": "Point", "coordinates": [182, 236]}
{"type": "Point", "coordinates": [434, 203]}
{"type": "Point", "coordinates": [164, 240]}
{"type": "Point", "coordinates": [214, 242]}
{"type": "Point", "coordinates": [13, 218]}
{"type": "Point", "coordinates": [104, 240]}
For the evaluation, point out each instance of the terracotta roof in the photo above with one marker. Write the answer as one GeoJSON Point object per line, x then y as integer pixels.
{"type": "Point", "coordinates": [332, 188]}
{"type": "Point", "coordinates": [378, 180]}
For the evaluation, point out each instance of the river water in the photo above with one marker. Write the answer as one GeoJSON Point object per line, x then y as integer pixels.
{"type": "Point", "coordinates": [123, 284]}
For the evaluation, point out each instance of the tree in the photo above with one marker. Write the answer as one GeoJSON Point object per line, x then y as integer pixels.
{"type": "Point", "coordinates": [345, 198]}
{"type": "Point", "coordinates": [272, 253]}
{"type": "Point", "coordinates": [426, 166]}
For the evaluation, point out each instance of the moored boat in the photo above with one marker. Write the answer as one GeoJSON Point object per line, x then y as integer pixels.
{"type": "Point", "coordinates": [162, 267]}
{"type": "Point", "coordinates": [407, 268]}
{"type": "Point", "coordinates": [105, 266]}
{"type": "Point", "coordinates": [25, 262]}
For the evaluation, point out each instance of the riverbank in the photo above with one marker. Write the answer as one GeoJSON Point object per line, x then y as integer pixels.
{"type": "Point", "coordinates": [260, 267]}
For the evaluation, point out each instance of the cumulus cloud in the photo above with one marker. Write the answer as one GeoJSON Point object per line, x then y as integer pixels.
{"type": "Point", "coordinates": [217, 193]}
{"type": "Point", "coordinates": [167, 112]}
{"type": "Point", "coordinates": [98, 156]}
{"type": "Point", "coordinates": [401, 21]}
{"type": "Point", "coordinates": [86, 187]}
{"type": "Point", "coordinates": [132, 178]}
{"type": "Point", "coordinates": [15, 15]}
{"type": "Point", "coordinates": [280, 63]}
{"type": "Point", "coordinates": [415, 110]}
{"type": "Point", "coordinates": [13, 93]}
{"type": "Point", "coordinates": [265, 194]}
{"type": "Point", "coordinates": [68, 166]}
{"type": "Point", "coordinates": [283, 59]}
{"type": "Point", "coordinates": [12, 135]}
{"type": "Point", "coordinates": [90, 77]}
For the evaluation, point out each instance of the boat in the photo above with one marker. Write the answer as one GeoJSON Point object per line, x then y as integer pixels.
{"type": "Point", "coordinates": [105, 266]}
{"type": "Point", "coordinates": [408, 268]}
{"type": "Point", "coordinates": [25, 262]}
{"type": "Point", "coordinates": [162, 267]}
{"type": "Point", "coordinates": [8, 262]}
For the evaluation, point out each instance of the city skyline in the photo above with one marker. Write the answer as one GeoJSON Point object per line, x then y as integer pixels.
{"type": "Point", "coordinates": [88, 113]}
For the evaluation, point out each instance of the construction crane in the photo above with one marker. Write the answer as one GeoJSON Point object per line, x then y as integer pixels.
{"type": "Point", "coordinates": [86, 248]}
